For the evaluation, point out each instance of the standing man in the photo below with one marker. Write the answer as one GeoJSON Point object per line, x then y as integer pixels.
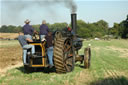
{"type": "Point", "coordinates": [43, 30]}
{"type": "Point", "coordinates": [49, 40]}
{"type": "Point", "coordinates": [23, 42]}
{"type": "Point", "coordinates": [27, 29]}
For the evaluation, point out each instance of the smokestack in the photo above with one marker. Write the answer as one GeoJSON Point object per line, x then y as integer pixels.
{"type": "Point", "coordinates": [73, 22]}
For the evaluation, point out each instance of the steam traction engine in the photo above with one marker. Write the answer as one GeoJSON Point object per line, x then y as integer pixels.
{"type": "Point", "coordinates": [66, 46]}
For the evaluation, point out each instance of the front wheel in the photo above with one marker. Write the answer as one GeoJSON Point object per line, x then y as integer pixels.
{"type": "Point", "coordinates": [87, 57]}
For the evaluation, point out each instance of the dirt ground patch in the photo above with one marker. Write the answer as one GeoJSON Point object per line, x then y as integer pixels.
{"type": "Point", "coordinates": [4, 70]}
{"type": "Point", "coordinates": [123, 51]}
{"type": "Point", "coordinates": [10, 56]}
{"type": "Point", "coordinates": [8, 35]}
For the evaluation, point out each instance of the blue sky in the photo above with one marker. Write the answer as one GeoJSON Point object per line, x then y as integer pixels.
{"type": "Point", "coordinates": [14, 12]}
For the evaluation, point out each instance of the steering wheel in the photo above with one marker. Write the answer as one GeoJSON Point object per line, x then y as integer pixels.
{"type": "Point", "coordinates": [35, 36]}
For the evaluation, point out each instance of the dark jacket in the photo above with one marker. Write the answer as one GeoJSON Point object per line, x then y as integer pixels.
{"type": "Point", "coordinates": [27, 29]}
{"type": "Point", "coordinates": [44, 29]}
{"type": "Point", "coordinates": [49, 41]}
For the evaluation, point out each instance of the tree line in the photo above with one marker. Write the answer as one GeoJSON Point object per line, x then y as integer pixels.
{"type": "Point", "coordinates": [98, 29]}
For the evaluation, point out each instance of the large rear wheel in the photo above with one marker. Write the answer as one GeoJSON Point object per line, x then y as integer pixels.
{"type": "Point", "coordinates": [63, 55]}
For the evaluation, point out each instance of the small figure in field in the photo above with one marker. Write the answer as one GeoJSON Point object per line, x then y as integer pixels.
{"type": "Point", "coordinates": [69, 29]}
{"type": "Point", "coordinates": [49, 40]}
{"type": "Point", "coordinates": [23, 42]}
{"type": "Point", "coordinates": [43, 30]}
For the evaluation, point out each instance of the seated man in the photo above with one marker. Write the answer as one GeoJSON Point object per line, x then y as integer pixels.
{"type": "Point", "coordinates": [23, 42]}
{"type": "Point", "coordinates": [49, 39]}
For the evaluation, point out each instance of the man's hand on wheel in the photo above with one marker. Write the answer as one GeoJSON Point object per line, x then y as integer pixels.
{"type": "Point", "coordinates": [36, 32]}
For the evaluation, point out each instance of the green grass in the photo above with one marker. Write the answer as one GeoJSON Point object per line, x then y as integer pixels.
{"type": "Point", "coordinates": [16, 76]}
{"type": "Point", "coordinates": [107, 68]}
{"type": "Point", "coordinates": [8, 43]}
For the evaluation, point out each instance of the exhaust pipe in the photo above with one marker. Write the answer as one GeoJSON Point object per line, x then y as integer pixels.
{"type": "Point", "coordinates": [74, 22]}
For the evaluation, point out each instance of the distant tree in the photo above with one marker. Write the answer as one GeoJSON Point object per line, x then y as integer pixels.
{"type": "Point", "coordinates": [116, 30]}
{"type": "Point", "coordinates": [4, 28]}
{"type": "Point", "coordinates": [58, 26]}
{"type": "Point", "coordinates": [11, 29]}
{"type": "Point", "coordinates": [36, 27]}
{"type": "Point", "coordinates": [18, 29]}
{"type": "Point", "coordinates": [124, 28]}
{"type": "Point", "coordinates": [83, 29]}
{"type": "Point", "coordinates": [102, 26]}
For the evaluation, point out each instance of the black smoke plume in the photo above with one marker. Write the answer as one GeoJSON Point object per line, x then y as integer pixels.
{"type": "Point", "coordinates": [15, 8]}
{"type": "Point", "coordinates": [70, 4]}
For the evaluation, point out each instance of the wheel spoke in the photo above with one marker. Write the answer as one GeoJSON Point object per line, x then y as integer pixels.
{"type": "Point", "coordinates": [69, 64]}
{"type": "Point", "coordinates": [67, 68]}
{"type": "Point", "coordinates": [68, 48]}
{"type": "Point", "coordinates": [68, 57]}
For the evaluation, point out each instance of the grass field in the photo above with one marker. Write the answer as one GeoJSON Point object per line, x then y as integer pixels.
{"type": "Point", "coordinates": [109, 66]}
